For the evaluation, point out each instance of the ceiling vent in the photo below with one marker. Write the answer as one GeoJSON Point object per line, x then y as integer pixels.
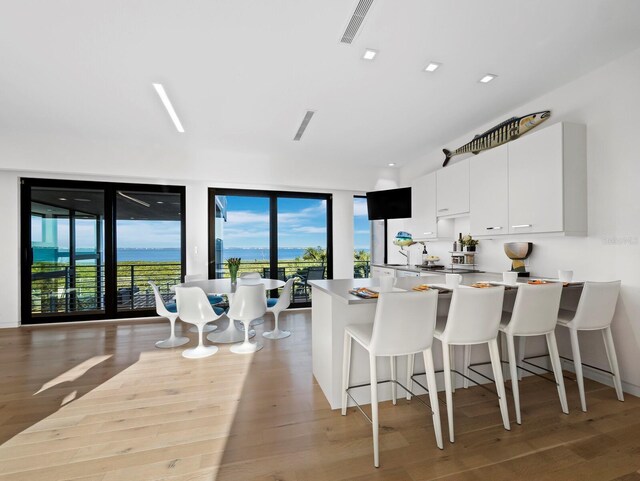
{"type": "Point", "coordinates": [303, 125]}
{"type": "Point", "coordinates": [356, 21]}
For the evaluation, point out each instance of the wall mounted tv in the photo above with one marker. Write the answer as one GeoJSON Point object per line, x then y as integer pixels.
{"type": "Point", "coordinates": [389, 204]}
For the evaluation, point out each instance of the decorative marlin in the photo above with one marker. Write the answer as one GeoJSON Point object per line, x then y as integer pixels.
{"type": "Point", "coordinates": [500, 134]}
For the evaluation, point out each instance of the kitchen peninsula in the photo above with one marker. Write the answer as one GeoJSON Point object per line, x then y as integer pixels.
{"type": "Point", "coordinates": [334, 308]}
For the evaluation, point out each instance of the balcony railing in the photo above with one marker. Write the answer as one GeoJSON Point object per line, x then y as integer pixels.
{"type": "Point", "coordinates": [60, 289]}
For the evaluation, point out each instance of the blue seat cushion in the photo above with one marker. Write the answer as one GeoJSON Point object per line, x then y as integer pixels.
{"type": "Point", "coordinates": [271, 302]}
{"type": "Point", "coordinates": [171, 307]}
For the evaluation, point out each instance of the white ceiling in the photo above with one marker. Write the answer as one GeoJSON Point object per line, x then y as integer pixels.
{"type": "Point", "coordinates": [242, 73]}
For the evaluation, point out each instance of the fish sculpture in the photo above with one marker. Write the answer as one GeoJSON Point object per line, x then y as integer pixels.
{"type": "Point", "coordinates": [500, 134]}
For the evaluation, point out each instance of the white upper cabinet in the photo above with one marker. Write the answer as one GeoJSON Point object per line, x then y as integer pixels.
{"type": "Point", "coordinates": [489, 192]}
{"type": "Point", "coordinates": [424, 223]}
{"type": "Point", "coordinates": [453, 189]}
{"type": "Point", "coordinates": [547, 181]}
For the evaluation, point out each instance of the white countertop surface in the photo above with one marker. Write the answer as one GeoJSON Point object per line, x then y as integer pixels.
{"type": "Point", "coordinates": [340, 287]}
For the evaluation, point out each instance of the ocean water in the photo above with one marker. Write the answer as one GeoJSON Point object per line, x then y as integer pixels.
{"type": "Point", "coordinates": [173, 255]}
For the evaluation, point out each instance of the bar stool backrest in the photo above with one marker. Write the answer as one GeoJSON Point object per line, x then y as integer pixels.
{"type": "Point", "coordinates": [194, 306]}
{"type": "Point", "coordinates": [404, 323]}
{"type": "Point", "coordinates": [597, 305]}
{"type": "Point", "coordinates": [474, 315]}
{"type": "Point", "coordinates": [249, 303]}
{"type": "Point", "coordinates": [535, 310]}
{"type": "Point", "coordinates": [161, 309]}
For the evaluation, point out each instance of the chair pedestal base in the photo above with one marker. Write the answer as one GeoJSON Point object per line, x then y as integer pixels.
{"type": "Point", "coordinates": [276, 334]}
{"type": "Point", "coordinates": [199, 352]}
{"type": "Point", "coordinates": [230, 335]}
{"type": "Point", "coordinates": [246, 348]}
{"type": "Point", "coordinates": [207, 328]}
{"type": "Point", "coordinates": [172, 342]}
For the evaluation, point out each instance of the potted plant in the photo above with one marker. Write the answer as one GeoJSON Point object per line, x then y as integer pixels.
{"type": "Point", "coordinates": [469, 243]}
{"type": "Point", "coordinates": [233, 264]}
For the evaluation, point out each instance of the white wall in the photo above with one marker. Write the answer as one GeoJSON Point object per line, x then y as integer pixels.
{"type": "Point", "coordinates": [606, 101]}
{"type": "Point", "coordinates": [196, 229]}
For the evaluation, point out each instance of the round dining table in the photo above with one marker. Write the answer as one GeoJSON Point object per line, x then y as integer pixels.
{"type": "Point", "coordinates": [224, 286]}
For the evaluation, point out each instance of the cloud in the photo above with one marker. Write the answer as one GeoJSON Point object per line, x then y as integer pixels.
{"type": "Point", "coordinates": [360, 207]}
{"type": "Point", "coordinates": [362, 232]}
{"type": "Point", "coordinates": [239, 233]}
{"type": "Point", "coordinates": [246, 217]}
{"type": "Point", "coordinates": [309, 230]}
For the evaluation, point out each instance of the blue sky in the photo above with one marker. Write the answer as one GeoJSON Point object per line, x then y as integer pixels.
{"type": "Point", "coordinates": [361, 224]}
{"type": "Point", "coordinates": [301, 222]}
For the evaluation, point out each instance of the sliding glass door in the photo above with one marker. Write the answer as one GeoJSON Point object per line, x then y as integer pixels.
{"type": "Point", "coordinates": [66, 250]}
{"type": "Point", "coordinates": [280, 235]}
{"type": "Point", "coordinates": [90, 249]}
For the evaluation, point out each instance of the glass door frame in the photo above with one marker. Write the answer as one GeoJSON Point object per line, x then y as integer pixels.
{"type": "Point", "coordinates": [273, 196]}
{"type": "Point", "coordinates": [110, 247]}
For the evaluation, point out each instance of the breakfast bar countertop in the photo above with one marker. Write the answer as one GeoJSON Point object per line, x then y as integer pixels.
{"type": "Point", "coordinates": [340, 287]}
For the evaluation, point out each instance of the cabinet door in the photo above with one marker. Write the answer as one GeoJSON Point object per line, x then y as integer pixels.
{"type": "Point", "coordinates": [489, 192]}
{"type": "Point", "coordinates": [535, 182]}
{"type": "Point", "coordinates": [424, 223]}
{"type": "Point", "coordinates": [452, 187]}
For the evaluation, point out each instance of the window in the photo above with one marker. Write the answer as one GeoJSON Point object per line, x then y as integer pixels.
{"type": "Point", "coordinates": [280, 235]}
{"type": "Point", "coordinates": [91, 248]}
{"type": "Point", "coordinates": [361, 238]}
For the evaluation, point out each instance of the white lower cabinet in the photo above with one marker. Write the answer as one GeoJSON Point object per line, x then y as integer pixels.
{"type": "Point", "coordinates": [377, 272]}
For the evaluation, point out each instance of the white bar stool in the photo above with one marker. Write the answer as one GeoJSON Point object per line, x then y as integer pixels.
{"type": "Point", "coordinates": [403, 325]}
{"type": "Point", "coordinates": [535, 313]}
{"type": "Point", "coordinates": [170, 311]}
{"type": "Point", "coordinates": [474, 318]}
{"type": "Point", "coordinates": [595, 312]}
{"type": "Point", "coordinates": [249, 303]}
{"type": "Point", "coordinates": [282, 303]}
{"type": "Point", "coordinates": [194, 308]}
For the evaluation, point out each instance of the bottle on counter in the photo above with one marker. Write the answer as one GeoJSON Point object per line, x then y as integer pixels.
{"type": "Point", "coordinates": [425, 255]}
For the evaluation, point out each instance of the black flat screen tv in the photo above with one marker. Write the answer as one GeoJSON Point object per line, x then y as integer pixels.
{"type": "Point", "coordinates": [389, 204]}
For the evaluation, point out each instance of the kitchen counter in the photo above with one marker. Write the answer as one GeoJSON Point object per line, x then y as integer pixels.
{"type": "Point", "coordinates": [333, 308]}
{"type": "Point", "coordinates": [422, 269]}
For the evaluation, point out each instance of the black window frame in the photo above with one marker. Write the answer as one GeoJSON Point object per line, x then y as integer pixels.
{"type": "Point", "coordinates": [110, 247]}
{"type": "Point", "coordinates": [273, 196]}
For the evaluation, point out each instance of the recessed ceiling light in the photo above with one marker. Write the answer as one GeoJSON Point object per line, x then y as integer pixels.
{"type": "Point", "coordinates": [62, 198]}
{"type": "Point", "coordinates": [432, 67]}
{"type": "Point", "coordinates": [391, 164]}
{"type": "Point", "coordinates": [369, 54]}
{"type": "Point", "coordinates": [487, 78]}
{"type": "Point", "coordinates": [167, 105]}
{"type": "Point", "coordinates": [159, 202]}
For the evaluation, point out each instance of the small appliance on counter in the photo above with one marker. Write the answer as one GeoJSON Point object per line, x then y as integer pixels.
{"type": "Point", "coordinates": [518, 252]}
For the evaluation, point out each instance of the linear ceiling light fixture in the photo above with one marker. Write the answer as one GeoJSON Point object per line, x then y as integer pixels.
{"type": "Point", "coordinates": [167, 105]}
{"type": "Point", "coordinates": [356, 21]}
{"type": "Point", "coordinates": [487, 78]}
{"type": "Point", "coordinates": [133, 199]}
{"type": "Point", "coordinates": [432, 67]}
{"type": "Point", "coordinates": [303, 125]}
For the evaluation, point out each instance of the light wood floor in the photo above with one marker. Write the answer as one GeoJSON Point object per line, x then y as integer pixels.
{"type": "Point", "coordinates": [100, 403]}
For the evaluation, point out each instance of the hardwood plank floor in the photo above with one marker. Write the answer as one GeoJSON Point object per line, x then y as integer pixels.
{"type": "Point", "coordinates": [100, 403]}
